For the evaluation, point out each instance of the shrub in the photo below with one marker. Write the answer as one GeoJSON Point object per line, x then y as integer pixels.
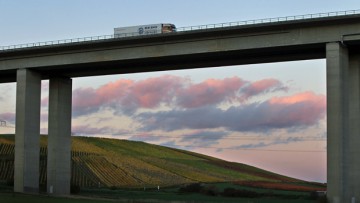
{"type": "Point", "coordinates": [231, 192]}
{"type": "Point", "coordinates": [74, 189]}
{"type": "Point", "coordinates": [314, 195]}
{"type": "Point", "coordinates": [322, 199]}
{"type": "Point", "coordinates": [192, 188]}
{"type": "Point", "coordinates": [210, 191]}
{"type": "Point", "coordinates": [10, 182]}
{"type": "Point", "coordinates": [42, 188]}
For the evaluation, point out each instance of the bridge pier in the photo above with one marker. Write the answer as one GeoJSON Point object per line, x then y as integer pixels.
{"type": "Point", "coordinates": [59, 141]}
{"type": "Point", "coordinates": [343, 124]}
{"type": "Point", "coordinates": [27, 132]}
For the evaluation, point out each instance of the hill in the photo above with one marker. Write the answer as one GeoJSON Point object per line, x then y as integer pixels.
{"type": "Point", "coordinates": [122, 163]}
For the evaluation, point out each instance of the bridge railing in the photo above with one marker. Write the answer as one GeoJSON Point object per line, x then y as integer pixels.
{"type": "Point", "coordinates": [269, 20]}
{"type": "Point", "coordinates": [185, 29]}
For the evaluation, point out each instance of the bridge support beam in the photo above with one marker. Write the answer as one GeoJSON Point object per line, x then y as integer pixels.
{"type": "Point", "coordinates": [59, 141]}
{"type": "Point", "coordinates": [343, 124]}
{"type": "Point", "coordinates": [27, 132]}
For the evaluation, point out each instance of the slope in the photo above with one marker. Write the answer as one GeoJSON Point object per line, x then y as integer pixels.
{"type": "Point", "coordinates": [100, 162]}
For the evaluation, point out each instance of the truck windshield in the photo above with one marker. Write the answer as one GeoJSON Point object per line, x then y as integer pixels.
{"type": "Point", "coordinates": [168, 28]}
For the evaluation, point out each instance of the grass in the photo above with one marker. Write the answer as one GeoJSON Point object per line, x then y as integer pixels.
{"type": "Point", "coordinates": [125, 164]}
{"type": "Point", "coordinates": [21, 198]}
{"type": "Point", "coordinates": [172, 194]}
{"type": "Point", "coordinates": [151, 194]}
{"type": "Point", "coordinates": [137, 196]}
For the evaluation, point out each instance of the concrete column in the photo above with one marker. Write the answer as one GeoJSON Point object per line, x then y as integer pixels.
{"type": "Point", "coordinates": [59, 141]}
{"type": "Point", "coordinates": [27, 131]}
{"type": "Point", "coordinates": [343, 124]}
{"type": "Point", "coordinates": [352, 142]}
{"type": "Point", "coordinates": [337, 118]}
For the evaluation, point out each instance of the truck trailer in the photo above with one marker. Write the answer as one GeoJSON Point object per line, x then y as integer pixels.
{"type": "Point", "coordinates": [144, 30]}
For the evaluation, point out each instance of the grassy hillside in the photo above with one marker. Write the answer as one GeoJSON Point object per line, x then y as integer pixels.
{"type": "Point", "coordinates": [123, 163]}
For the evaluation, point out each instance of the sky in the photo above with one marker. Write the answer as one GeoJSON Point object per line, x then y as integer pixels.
{"type": "Point", "coordinates": [272, 116]}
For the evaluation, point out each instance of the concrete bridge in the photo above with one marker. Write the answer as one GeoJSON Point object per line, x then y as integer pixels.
{"type": "Point", "coordinates": [336, 38]}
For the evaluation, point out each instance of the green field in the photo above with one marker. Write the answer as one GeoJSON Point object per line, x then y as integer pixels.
{"type": "Point", "coordinates": [153, 197]}
{"type": "Point", "coordinates": [122, 163]}
{"type": "Point", "coordinates": [121, 169]}
{"type": "Point", "coordinates": [170, 194]}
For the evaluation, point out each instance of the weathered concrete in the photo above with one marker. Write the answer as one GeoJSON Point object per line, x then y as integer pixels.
{"type": "Point", "coordinates": [27, 132]}
{"type": "Point", "coordinates": [261, 43]}
{"type": "Point", "coordinates": [352, 142]}
{"type": "Point", "coordinates": [59, 141]}
{"type": "Point", "coordinates": [343, 124]}
{"type": "Point", "coordinates": [337, 117]}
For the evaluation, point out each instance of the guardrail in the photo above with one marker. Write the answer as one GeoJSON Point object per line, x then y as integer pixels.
{"type": "Point", "coordinates": [184, 29]}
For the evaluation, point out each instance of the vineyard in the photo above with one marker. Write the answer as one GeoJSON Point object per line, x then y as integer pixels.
{"type": "Point", "coordinates": [100, 162]}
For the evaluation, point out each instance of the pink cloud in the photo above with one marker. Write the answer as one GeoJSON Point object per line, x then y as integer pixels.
{"type": "Point", "coordinates": [45, 102]}
{"type": "Point", "coordinates": [85, 101]}
{"type": "Point", "coordinates": [209, 92]}
{"type": "Point", "coordinates": [260, 87]}
{"type": "Point", "coordinates": [127, 96]}
{"type": "Point", "coordinates": [151, 92]}
{"type": "Point", "coordinates": [299, 110]}
{"type": "Point", "coordinates": [305, 107]}
{"type": "Point", "coordinates": [8, 117]}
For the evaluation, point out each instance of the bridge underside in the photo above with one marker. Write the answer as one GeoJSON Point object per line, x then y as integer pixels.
{"type": "Point", "coordinates": [178, 62]}
{"type": "Point", "coordinates": [343, 127]}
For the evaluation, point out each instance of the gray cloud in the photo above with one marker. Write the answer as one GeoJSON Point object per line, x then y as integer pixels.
{"type": "Point", "coordinates": [89, 130]}
{"type": "Point", "coordinates": [296, 111]}
{"type": "Point", "coordinates": [127, 96]}
{"type": "Point", "coordinates": [204, 138]}
{"type": "Point", "coordinates": [266, 144]}
{"type": "Point", "coordinates": [8, 117]}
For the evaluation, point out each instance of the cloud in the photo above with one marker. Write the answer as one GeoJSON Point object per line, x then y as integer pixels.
{"type": "Point", "coordinates": [147, 137]}
{"type": "Point", "coordinates": [209, 92]}
{"type": "Point", "coordinates": [266, 144]}
{"type": "Point", "coordinates": [45, 102]}
{"type": "Point", "coordinates": [261, 87]}
{"type": "Point", "coordinates": [127, 96]}
{"type": "Point", "coordinates": [44, 117]}
{"type": "Point", "coordinates": [88, 130]}
{"type": "Point", "coordinates": [299, 110]}
{"type": "Point", "coordinates": [8, 117]}
{"type": "Point", "coordinates": [86, 101]}
{"type": "Point", "coordinates": [204, 138]}
{"type": "Point", "coordinates": [171, 144]}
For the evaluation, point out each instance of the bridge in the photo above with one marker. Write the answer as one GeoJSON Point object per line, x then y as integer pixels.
{"type": "Point", "coordinates": [333, 36]}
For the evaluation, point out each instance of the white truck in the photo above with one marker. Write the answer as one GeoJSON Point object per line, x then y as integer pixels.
{"type": "Point", "coordinates": [144, 30]}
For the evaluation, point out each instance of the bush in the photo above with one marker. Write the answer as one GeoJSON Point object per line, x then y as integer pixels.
{"type": "Point", "coordinates": [10, 182]}
{"type": "Point", "coordinates": [192, 188]}
{"type": "Point", "coordinates": [322, 199]}
{"type": "Point", "coordinates": [210, 191]}
{"type": "Point", "coordinates": [74, 189]}
{"type": "Point", "coordinates": [231, 192]}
